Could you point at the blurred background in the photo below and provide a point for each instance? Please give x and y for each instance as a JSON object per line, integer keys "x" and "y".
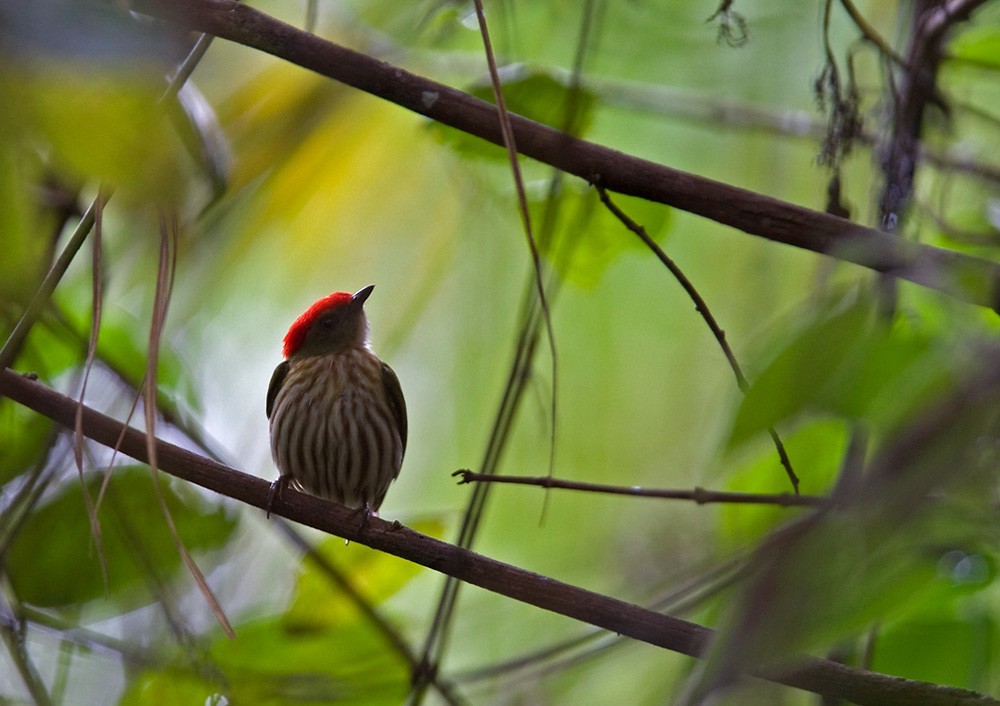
{"x": 287, "y": 186}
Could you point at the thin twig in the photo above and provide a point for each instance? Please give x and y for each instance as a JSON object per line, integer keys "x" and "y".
{"x": 522, "y": 201}
{"x": 698, "y": 495}
{"x": 164, "y": 287}
{"x": 871, "y": 34}
{"x": 97, "y": 298}
{"x": 12, "y": 632}
{"x": 701, "y": 306}
{"x": 436, "y": 640}
{"x": 12, "y": 346}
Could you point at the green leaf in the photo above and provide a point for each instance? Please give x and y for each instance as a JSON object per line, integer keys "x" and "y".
{"x": 48, "y": 351}
{"x": 877, "y": 554}
{"x": 536, "y": 95}
{"x": 268, "y": 663}
{"x": 53, "y": 562}
{"x": 978, "y": 44}
{"x": 318, "y": 605}
{"x": 815, "y": 448}
{"x": 123, "y": 347}
{"x": 945, "y": 651}
{"x": 586, "y": 237}
{"x": 850, "y": 366}
{"x": 24, "y": 438}
{"x": 87, "y": 90}
{"x": 171, "y": 686}
{"x": 23, "y": 247}
{"x": 803, "y": 374}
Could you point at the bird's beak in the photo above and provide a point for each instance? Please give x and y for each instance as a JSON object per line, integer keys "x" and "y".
{"x": 361, "y": 295}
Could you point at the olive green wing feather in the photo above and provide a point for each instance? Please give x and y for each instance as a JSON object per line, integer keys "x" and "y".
{"x": 277, "y": 378}
{"x": 394, "y": 395}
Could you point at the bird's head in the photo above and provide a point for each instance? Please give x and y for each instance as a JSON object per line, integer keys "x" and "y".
{"x": 335, "y": 322}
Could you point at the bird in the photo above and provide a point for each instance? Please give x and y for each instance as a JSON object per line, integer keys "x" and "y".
{"x": 337, "y": 417}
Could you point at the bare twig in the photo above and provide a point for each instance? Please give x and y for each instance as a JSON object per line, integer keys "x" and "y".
{"x": 510, "y": 144}
{"x": 164, "y": 287}
{"x": 702, "y": 307}
{"x": 697, "y": 495}
{"x": 870, "y": 34}
{"x": 918, "y": 90}
{"x": 435, "y": 642}
{"x": 12, "y": 632}
{"x": 15, "y": 340}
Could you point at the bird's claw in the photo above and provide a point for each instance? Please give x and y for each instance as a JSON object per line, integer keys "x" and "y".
{"x": 276, "y": 491}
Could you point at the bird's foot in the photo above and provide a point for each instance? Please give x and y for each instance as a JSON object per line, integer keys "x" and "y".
{"x": 365, "y": 513}
{"x": 277, "y": 491}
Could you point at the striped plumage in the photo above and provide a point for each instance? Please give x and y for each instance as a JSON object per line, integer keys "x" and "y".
{"x": 337, "y": 415}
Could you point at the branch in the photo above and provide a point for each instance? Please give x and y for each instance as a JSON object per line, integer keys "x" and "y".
{"x": 698, "y": 495}
{"x": 12, "y": 634}
{"x": 968, "y": 278}
{"x": 814, "y": 674}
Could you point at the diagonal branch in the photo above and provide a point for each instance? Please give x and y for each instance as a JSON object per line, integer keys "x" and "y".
{"x": 966, "y": 277}
{"x": 814, "y": 674}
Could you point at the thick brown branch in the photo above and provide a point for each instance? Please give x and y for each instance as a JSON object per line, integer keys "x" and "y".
{"x": 969, "y": 278}
{"x": 817, "y": 675}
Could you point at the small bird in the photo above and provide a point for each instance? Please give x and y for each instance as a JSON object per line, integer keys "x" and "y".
{"x": 337, "y": 415}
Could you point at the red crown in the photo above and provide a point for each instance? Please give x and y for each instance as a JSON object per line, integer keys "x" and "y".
{"x": 297, "y": 331}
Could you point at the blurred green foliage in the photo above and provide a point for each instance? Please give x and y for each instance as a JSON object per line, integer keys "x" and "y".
{"x": 134, "y": 540}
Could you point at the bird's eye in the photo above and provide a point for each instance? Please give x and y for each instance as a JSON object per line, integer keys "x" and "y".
{"x": 326, "y": 322}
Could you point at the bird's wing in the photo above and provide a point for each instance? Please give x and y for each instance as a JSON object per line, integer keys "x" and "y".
{"x": 277, "y": 378}
{"x": 394, "y": 394}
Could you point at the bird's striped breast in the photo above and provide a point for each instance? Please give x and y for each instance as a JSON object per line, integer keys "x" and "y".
{"x": 333, "y": 429}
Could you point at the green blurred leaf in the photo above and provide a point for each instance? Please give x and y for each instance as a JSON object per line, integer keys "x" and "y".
{"x": 534, "y": 94}
{"x": 123, "y": 347}
{"x": 52, "y": 561}
{"x": 816, "y": 449}
{"x": 978, "y": 44}
{"x": 953, "y": 651}
{"x": 23, "y": 237}
{"x": 876, "y": 554}
{"x": 82, "y": 82}
{"x": 585, "y": 238}
{"x": 804, "y": 373}
{"x": 48, "y": 351}
{"x": 318, "y": 605}
{"x": 24, "y": 436}
{"x": 171, "y": 686}
{"x": 850, "y": 366}
{"x": 267, "y": 663}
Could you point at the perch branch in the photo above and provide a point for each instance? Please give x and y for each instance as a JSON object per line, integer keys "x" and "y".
{"x": 812, "y": 673}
